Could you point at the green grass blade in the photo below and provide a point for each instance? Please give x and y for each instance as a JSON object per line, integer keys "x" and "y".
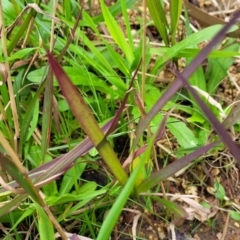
{"x": 175, "y": 13}
{"x": 127, "y": 23}
{"x": 159, "y": 17}
{"x": 87, "y": 121}
{"x": 45, "y": 227}
{"x": 101, "y": 65}
{"x": 116, "y": 209}
{"x": 172, "y": 168}
{"x": 5, "y": 100}
{"x": 117, "y": 58}
{"x": 29, "y": 211}
{"x": 193, "y": 52}
{"x": 217, "y": 68}
{"x": 114, "y": 10}
{"x": 67, "y": 9}
{"x": 47, "y": 114}
{"x": 23, "y": 181}
{"x": 116, "y": 33}
{"x": 177, "y": 210}
{"x": 28, "y": 117}
{"x": 11, "y": 205}
{"x": 22, "y": 29}
{"x": 195, "y": 38}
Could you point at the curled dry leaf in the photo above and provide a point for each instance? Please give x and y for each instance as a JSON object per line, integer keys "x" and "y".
{"x": 197, "y": 211}
{"x": 134, "y": 226}
{"x": 211, "y": 190}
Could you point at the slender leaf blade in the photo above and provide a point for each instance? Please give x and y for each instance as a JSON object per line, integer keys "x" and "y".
{"x": 87, "y": 121}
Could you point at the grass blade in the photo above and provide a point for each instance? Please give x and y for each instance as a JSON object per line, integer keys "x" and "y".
{"x": 175, "y": 13}
{"x": 47, "y": 114}
{"x": 159, "y": 17}
{"x": 197, "y": 38}
{"x": 172, "y": 168}
{"x": 11, "y": 205}
{"x": 87, "y": 121}
{"x": 24, "y": 182}
{"x": 116, "y": 33}
{"x": 45, "y": 227}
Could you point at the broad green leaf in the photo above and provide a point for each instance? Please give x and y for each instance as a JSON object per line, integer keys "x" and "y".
{"x": 63, "y": 105}
{"x": 204, "y": 134}
{"x": 34, "y": 156}
{"x": 198, "y": 79}
{"x": 50, "y": 188}
{"x": 216, "y": 71}
{"x": 88, "y": 187}
{"x": 9, "y": 10}
{"x": 219, "y": 191}
{"x": 206, "y": 205}
{"x": 79, "y": 76}
{"x": 235, "y": 215}
{"x": 37, "y": 76}
{"x": 183, "y": 134}
{"x": 196, "y": 117}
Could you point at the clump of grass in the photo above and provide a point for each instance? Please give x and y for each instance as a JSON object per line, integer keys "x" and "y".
{"x": 81, "y": 91}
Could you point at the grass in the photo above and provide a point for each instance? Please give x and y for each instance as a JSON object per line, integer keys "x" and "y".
{"x": 69, "y": 93}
